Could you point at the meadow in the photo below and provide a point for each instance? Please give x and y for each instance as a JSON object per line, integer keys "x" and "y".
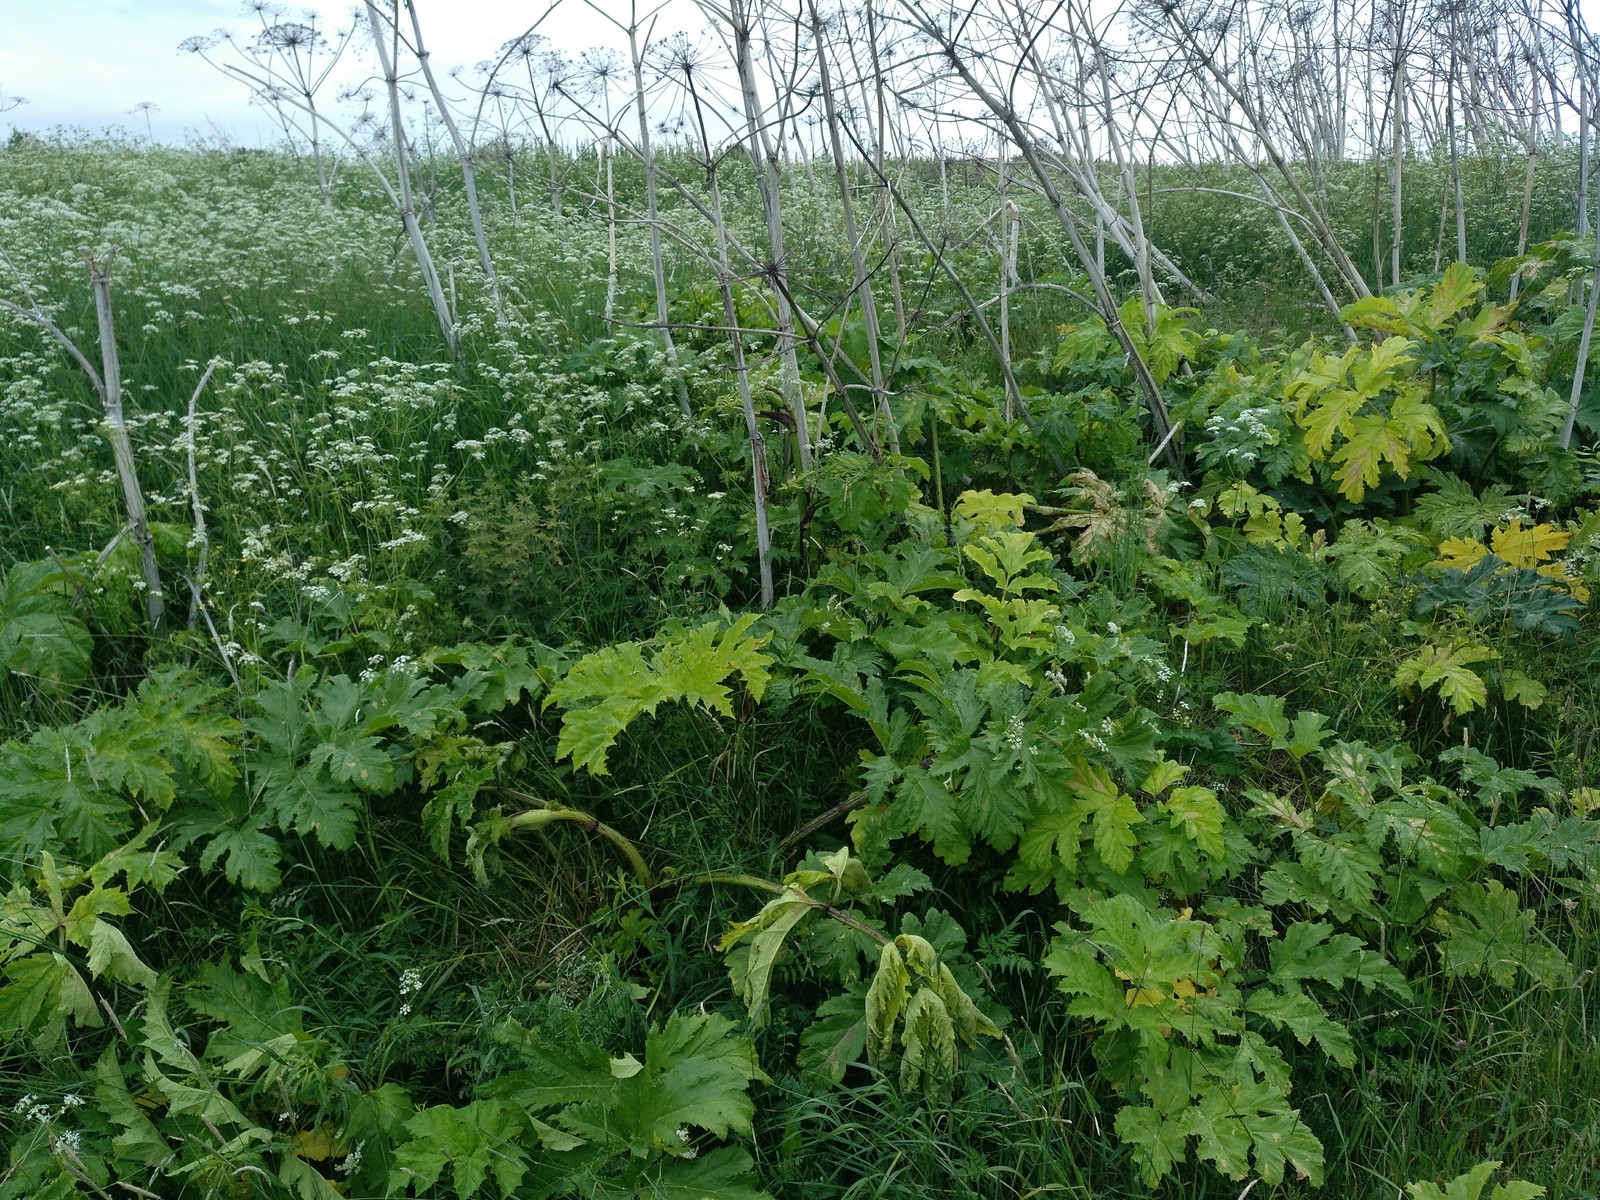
{"x": 1083, "y": 816}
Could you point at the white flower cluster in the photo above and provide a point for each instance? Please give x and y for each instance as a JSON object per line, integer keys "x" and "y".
{"x": 67, "y": 1142}
{"x": 352, "y": 1161}
{"x": 31, "y": 1108}
{"x": 1016, "y": 733}
{"x": 1247, "y": 431}
{"x": 410, "y": 986}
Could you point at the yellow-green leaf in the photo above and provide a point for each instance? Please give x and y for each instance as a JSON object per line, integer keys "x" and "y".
{"x": 1527, "y": 547}
{"x": 1332, "y": 414}
{"x": 1459, "y": 287}
{"x": 1196, "y": 811}
{"x": 1448, "y": 668}
{"x": 1373, "y": 441}
{"x": 1529, "y": 693}
{"x": 1162, "y": 776}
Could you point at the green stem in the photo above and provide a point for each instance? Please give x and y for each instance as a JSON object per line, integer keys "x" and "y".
{"x": 822, "y": 821}
{"x": 545, "y": 813}
{"x": 738, "y": 879}
{"x": 1305, "y": 780}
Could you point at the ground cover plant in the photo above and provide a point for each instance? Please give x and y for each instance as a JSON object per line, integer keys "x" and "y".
{"x": 676, "y": 663}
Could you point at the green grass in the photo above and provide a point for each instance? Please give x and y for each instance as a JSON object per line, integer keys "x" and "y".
{"x": 369, "y": 501}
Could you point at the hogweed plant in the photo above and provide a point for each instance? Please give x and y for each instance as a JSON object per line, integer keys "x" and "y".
{"x": 525, "y": 812}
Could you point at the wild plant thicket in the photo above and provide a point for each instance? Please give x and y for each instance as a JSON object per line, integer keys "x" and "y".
{"x": 424, "y": 799}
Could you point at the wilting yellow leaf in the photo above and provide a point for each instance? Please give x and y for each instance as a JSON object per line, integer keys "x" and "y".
{"x": 1524, "y": 547}
{"x": 1149, "y": 997}
{"x": 1143, "y": 997}
{"x": 1462, "y": 554}
{"x": 317, "y": 1144}
{"x": 1558, "y": 572}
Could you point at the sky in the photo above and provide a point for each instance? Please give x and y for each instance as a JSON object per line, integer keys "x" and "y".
{"x": 88, "y": 63}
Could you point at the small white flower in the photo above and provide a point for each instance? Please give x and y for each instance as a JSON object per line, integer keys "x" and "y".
{"x": 352, "y": 1161}
{"x": 1016, "y": 734}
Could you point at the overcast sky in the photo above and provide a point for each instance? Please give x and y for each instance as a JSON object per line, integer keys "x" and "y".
{"x": 87, "y": 63}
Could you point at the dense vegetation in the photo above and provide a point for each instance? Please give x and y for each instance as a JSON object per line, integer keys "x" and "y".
{"x": 1068, "y": 825}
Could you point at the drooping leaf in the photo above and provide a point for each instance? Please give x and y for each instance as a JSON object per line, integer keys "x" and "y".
{"x": 42, "y": 992}
{"x": 111, "y": 956}
{"x": 886, "y": 1000}
{"x": 928, "y": 1043}
{"x": 764, "y": 934}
